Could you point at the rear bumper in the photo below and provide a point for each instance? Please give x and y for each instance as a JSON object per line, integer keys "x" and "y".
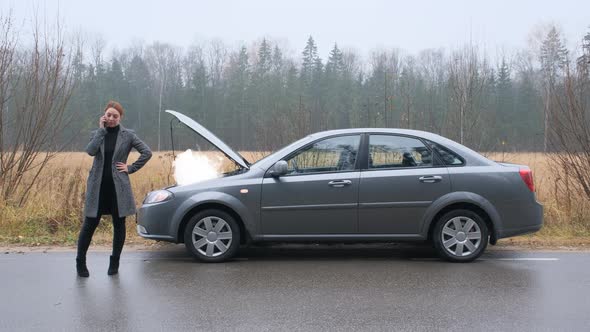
{"x": 519, "y": 231}
{"x": 521, "y": 220}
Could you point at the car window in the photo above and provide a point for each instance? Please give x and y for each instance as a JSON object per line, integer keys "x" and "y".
{"x": 388, "y": 151}
{"x": 329, "y": 155}
{"x": 447, "y": 156}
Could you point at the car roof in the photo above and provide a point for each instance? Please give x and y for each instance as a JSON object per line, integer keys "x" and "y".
{"x": 409, "y": 132}
{"x": 471, "y": 156}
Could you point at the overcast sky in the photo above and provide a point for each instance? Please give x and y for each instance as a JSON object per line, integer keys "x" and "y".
{"x": 362, "y": 25}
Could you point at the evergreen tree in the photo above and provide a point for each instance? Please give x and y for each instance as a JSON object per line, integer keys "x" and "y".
{"x": 553, "y": 57}
{"x": 239, "y": 77}
{"x": 505, "y": 104}
{"x": 335, "y": 62}
{"x": 333, "y": 89}
{"x": 277, "y": 60}
{"x": 264, "y": 59}
{"x": 310, "y": 59}
{"x": 583, "y": 61}
{"x": 140, "y": 99}
{"x": 262, "y": 99}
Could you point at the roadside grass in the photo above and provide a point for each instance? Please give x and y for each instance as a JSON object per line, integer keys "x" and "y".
{"x": 54, "y": 212}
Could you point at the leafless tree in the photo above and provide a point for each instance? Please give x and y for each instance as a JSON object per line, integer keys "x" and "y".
{"x": 467, "y": 76}
{"x": 553, "y": 58}
{"x": 432, "y": 68}
{"x": 217, "y": 56}
{"x": 8, "y": 44}
{"x": 407, "y": 88}
{"x": 35, "y": 86}
{"x": 164, "y": 59}
{"x": 97, "y": 49}
{"x": 571, "y": 131}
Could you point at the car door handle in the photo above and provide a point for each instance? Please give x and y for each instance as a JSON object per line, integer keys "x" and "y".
{"x": 430, "y": 179}
{"x": 339, "y": 183}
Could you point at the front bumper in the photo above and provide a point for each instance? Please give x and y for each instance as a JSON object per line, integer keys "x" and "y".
{"x": 154, "y": 222}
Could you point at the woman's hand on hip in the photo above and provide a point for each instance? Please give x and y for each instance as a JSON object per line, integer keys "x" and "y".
{"x": 121, "y": 167}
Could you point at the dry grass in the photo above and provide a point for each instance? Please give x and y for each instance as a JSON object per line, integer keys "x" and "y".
{"x": 54, "y": 212}
{"x": 566, "y": 214}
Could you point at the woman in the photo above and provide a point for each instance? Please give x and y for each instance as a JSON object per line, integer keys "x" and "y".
{"x": 108, "y": 189}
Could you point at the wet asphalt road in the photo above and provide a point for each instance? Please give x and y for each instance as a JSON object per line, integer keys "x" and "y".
{"x": 312, "y": 288}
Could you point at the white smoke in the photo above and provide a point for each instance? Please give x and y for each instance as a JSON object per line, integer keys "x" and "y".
{"x": 191, "y": 167}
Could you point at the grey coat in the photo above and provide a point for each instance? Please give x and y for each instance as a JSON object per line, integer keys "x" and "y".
{"x": 126, "y": 139}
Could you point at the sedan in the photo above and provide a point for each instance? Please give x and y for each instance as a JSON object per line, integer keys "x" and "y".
{"x": 348, "y": 185}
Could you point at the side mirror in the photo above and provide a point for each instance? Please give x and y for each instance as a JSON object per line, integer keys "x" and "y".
{"x": 278, "y": 169}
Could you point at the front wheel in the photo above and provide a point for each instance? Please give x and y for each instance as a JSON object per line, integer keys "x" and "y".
{"x": 212, "y": 236}
{"x": 460, "y": 236}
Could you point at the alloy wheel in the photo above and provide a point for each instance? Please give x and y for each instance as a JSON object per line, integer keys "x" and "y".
{"x": 212, "y": 236}
{"x": 461, "y": 236}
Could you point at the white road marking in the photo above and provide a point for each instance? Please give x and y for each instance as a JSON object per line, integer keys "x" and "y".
{"x": 521, "y": 259}
{"x": 542, "y": 259}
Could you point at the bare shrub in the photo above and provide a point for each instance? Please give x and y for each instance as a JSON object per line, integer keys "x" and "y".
{"x": 571, "y": 136}
{"x": 35, "y": 87}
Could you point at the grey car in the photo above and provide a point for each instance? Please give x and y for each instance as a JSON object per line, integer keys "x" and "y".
{"x": 349, "y": 185}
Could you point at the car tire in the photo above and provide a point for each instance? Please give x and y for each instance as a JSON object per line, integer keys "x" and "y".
{"x": 212, "y": 236}
{"x": 460, "y": 236}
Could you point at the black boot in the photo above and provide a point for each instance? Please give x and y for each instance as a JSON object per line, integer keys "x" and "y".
{"x": 81, "y": 268}
{"x": 113, "y": 265}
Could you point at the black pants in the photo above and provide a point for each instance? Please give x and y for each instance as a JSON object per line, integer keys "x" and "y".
{"x": 88, "y": 229}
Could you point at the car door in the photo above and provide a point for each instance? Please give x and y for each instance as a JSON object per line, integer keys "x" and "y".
{"x": 398, "y": 185}
{"x": 319, "y": 194}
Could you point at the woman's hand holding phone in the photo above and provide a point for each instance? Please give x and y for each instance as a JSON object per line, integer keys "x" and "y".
{"x": 102, "y": 122}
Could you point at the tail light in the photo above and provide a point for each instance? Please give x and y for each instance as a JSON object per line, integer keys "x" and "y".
{"x": 527, "y": 176}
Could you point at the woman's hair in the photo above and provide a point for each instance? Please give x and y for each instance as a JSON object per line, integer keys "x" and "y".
{"x": 115, "y": 105}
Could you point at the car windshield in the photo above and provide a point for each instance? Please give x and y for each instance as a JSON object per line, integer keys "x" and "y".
{"x": 285, "y": 148}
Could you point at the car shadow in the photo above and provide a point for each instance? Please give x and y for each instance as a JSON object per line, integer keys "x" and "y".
{"x": 315, "y": 251}
{"x": 338, "y": 251}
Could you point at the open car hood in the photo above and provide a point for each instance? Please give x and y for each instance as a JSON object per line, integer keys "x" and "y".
{"x": 206, "y": 134}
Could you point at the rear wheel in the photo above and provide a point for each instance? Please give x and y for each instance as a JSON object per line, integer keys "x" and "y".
{"x": 212, "y": 236}
{"x": 460, "y": 236}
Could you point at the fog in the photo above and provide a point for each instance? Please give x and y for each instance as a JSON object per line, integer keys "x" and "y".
{"x": 363, "y": 26}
